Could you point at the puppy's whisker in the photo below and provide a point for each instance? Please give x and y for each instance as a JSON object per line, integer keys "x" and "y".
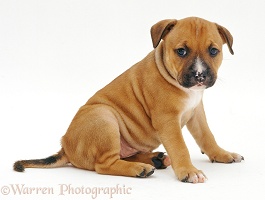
{"x": 220, "y": 80}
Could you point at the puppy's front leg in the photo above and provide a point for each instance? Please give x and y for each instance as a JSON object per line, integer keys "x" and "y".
{"x": 172, "y": 139}
{"x": 199, "y": 129}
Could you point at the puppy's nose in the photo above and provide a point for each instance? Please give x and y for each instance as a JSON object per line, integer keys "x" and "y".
{"x": 200, "y": 77}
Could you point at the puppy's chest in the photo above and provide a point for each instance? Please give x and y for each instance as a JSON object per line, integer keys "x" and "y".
{"x": 193, "y": 100}
{"x": 190, "y": 104}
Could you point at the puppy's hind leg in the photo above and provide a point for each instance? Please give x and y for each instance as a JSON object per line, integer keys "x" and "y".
{"x": 108, "y": 160}
{"x": 124, "y": 168}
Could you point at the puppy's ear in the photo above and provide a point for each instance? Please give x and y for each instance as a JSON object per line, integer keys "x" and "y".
{"x": 161, "y": 29}
{"x": 226, "y": 36}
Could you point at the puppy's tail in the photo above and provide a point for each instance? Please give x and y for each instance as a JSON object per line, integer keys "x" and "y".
{"x": 56, "y": 160}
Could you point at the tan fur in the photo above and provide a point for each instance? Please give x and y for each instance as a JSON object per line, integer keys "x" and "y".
{"x": 147, "y": 105}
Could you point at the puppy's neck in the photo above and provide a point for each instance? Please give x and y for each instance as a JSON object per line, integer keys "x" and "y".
{"x": 162, "y": 68}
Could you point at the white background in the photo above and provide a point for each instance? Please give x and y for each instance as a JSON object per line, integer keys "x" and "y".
{"x": 55, "y": 54}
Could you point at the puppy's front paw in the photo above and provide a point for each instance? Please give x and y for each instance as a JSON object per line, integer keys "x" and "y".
{"x": 191, "y": 175}
{"x": 226, "y": 157}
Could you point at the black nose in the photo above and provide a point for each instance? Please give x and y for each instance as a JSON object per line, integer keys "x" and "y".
{"x": 200, "y": 77}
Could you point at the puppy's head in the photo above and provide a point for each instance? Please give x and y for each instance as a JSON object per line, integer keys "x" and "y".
{"x": 192, "y": 50}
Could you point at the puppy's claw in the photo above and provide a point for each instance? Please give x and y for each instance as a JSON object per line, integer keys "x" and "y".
{"x": 185, "y": 180}
{"x": 142, "y": 174}
{"x": 150, "y": 173}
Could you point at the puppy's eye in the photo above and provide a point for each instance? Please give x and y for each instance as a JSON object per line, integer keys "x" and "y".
{"x": 181, "y": 52}
{"x": 213, "y": 51}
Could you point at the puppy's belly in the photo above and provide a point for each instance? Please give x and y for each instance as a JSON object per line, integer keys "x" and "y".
{"x": 137, "y": 145}
{"x": 126, "y": 149}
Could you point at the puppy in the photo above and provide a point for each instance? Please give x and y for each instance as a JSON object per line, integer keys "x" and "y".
{"x": 117, "y": 129}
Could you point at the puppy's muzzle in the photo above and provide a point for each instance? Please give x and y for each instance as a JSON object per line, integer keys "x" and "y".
{"x": 198, "y": 74}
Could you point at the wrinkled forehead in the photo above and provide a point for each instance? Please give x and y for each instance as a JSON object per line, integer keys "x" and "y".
{"x": 194, "y": 31}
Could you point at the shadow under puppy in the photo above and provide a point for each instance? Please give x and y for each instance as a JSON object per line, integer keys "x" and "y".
{"x": 117, "y": 129}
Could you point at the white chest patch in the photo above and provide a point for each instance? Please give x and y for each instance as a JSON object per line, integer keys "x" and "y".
{"x": 194, "y": 99}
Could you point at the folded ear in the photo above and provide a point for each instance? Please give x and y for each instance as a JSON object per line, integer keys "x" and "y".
{"x": 161, "y": 29}
{"x": 226, "y": 36}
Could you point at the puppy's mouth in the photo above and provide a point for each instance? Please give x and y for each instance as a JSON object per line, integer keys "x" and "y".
{"x": 198, "y": 86}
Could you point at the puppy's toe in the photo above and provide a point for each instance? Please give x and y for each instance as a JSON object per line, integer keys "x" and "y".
{"x": 237, "y": 157}
{"x": 201, "y": 177}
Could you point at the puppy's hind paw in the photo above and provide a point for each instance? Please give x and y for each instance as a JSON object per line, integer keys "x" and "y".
{"x": 161, "y": 161}
{"x": 146, "y": 173}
